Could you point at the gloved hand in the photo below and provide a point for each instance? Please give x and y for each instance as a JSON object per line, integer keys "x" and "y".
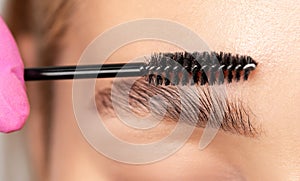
{"x": 14, "y": 107}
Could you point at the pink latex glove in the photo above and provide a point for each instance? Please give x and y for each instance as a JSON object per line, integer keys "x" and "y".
{"x": 14, "y": 107}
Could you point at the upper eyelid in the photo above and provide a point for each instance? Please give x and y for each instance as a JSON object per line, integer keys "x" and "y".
{"x": 236, "y": 114}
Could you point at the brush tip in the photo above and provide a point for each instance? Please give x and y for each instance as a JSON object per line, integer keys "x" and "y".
{"x": 198, "y": 68}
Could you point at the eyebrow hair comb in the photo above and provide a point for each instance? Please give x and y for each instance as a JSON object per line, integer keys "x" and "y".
{"x": 160, "y": 69}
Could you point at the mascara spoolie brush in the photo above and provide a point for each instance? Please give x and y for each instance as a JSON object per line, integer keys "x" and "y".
{"x": 84, "y": 72}
{"x": 161, "y": 69}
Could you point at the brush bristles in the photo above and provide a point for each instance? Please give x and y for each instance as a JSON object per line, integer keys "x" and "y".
{"x": 198, "y": 68}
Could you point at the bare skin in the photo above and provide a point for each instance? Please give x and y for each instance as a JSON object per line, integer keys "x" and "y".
{"x": 267, "y": 31}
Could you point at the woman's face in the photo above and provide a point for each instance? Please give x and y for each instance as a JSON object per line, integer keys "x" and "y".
{"x": 269, "y": 31}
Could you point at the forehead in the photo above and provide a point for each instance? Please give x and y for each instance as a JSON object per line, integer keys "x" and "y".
{"x": 266, "y": 29}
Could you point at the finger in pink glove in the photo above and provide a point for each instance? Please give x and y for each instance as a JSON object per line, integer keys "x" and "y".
{"x": 14, "y": 107}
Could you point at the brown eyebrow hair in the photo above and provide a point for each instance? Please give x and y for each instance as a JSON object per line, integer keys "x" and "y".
{"x": 235, "y": 116}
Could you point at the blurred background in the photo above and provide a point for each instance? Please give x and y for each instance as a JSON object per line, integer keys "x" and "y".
{"x": 1, "y": 5}
{"x": 14, "y": 161}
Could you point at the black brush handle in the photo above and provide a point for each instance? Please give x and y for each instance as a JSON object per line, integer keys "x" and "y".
{"x": 85, "y": 71}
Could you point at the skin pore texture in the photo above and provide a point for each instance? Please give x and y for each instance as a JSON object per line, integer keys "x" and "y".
{"x": 268, "y": 31}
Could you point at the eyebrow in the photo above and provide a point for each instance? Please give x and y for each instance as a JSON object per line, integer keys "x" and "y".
{"x": 229, "y": 114}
